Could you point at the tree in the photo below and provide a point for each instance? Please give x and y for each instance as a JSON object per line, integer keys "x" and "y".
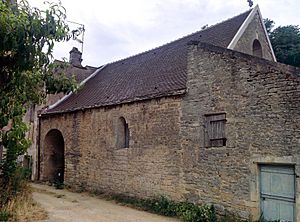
{"x": 285, "y": 41}
{"x": 286, "y": 44}
{"x": 27, "y": 37}
{"x": 269, "y": 25}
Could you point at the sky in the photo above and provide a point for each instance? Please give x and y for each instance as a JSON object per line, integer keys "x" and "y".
{"x": 116, "y": 29}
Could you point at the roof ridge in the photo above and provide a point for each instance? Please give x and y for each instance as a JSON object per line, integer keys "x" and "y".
{"x": 185, "y": 36}
{"x": 157, "y": 72}
{"x": 212, "y": 26}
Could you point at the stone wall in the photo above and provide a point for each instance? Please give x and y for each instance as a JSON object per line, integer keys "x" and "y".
{"x": 167, "y": 154}
{"x": 254, "y": 31}
{"x": 149, "y": 167}
{"x": 31, "y": 118}
{"x": 261, "y": 100}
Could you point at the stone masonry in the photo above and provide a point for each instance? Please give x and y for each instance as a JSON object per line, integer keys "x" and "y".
{"x": 254, "y": 31}
{"x": 93, "y": 161}
{"x": 167, "y": 153}
{"x": 261, "y": 100}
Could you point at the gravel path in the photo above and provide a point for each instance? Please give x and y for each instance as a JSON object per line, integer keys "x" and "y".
{"x": 65, "y": 206}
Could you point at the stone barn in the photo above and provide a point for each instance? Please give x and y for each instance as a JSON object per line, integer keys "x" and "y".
{"x": 208, "y": 118}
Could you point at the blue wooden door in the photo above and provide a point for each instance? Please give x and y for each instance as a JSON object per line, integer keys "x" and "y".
{"x": 277, "y": 192}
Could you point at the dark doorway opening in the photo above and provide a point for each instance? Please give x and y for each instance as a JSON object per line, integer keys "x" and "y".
{"x": 54, "y": 161}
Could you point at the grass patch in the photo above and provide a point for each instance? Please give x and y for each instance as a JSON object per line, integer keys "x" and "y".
{"x": 22, "y": 208}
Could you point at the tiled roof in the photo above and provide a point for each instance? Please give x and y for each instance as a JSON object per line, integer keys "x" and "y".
{"x": 155, "y": 73}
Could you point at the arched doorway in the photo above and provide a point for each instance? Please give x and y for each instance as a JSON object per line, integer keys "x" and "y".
{"x": 54, "y": 160}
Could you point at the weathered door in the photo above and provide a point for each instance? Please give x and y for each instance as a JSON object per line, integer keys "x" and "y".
{"x": 277, "y": 192}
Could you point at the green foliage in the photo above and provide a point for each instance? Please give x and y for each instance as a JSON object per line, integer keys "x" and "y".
{"x": 59, "y": 185}
{"x": 56, "y": 81}
{"x": 160, "y": 206}
{"x": 230, "y": 217}
{"x": 17, "y": 180}
{"x": 27, "y": 37}
{"x": 286, "y": 44}
{"x": 28, "y": 34}
{"x": 269, "y": 24}
{"x": 188, "y": 212}
{"x": 285, "y": 41}
{"x": 59, "y": 179}
{"x": 4, "y": 216}
{"x": 194, "y": 213}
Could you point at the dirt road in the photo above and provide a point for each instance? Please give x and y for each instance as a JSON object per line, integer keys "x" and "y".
{"x": 65, "y": 206}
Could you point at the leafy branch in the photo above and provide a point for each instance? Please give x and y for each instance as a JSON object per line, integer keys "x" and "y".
{"x": 27, "y": 38}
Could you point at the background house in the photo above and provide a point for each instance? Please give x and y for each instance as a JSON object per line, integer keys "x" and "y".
{"x": 208, "y": 118}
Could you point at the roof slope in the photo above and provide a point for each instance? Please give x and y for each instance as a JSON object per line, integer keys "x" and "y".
{"x": 158, "y": 72}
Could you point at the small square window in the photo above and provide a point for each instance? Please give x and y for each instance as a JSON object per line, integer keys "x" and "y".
{"x": 215, "y": 130}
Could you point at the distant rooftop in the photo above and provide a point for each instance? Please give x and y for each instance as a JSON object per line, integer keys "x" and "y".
{"x": 80, "y": 73}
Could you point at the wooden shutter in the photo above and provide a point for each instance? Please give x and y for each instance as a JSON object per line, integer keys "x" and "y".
{"x": 215, "y": 127}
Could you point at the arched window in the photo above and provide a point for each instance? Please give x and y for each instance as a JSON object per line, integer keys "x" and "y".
{"x": 257, "y": 49}
{"x": 122, "y": 133}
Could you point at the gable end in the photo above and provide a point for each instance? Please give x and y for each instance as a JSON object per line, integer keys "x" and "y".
{"x": 259, "y": 34}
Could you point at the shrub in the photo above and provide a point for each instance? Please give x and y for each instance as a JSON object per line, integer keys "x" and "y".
{"x": 17, "y": 182}
{"x": 59, "y": 185}
{"x": 188, "y": 212}
{"x": 4, "y": 216}
{"x": 162, "y": 206}
{"x": 195, "y": 213}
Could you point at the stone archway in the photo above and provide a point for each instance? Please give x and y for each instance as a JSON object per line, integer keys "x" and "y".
{"x": 54, "y": 160}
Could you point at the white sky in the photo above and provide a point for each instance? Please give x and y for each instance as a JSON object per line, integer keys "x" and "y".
{"x": 117, "y": 29}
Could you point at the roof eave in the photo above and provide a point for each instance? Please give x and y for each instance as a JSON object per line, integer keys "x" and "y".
{"x": 137, "y": 99}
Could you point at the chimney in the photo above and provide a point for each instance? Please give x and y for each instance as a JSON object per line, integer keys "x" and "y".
{"x": 75, "y": 57}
